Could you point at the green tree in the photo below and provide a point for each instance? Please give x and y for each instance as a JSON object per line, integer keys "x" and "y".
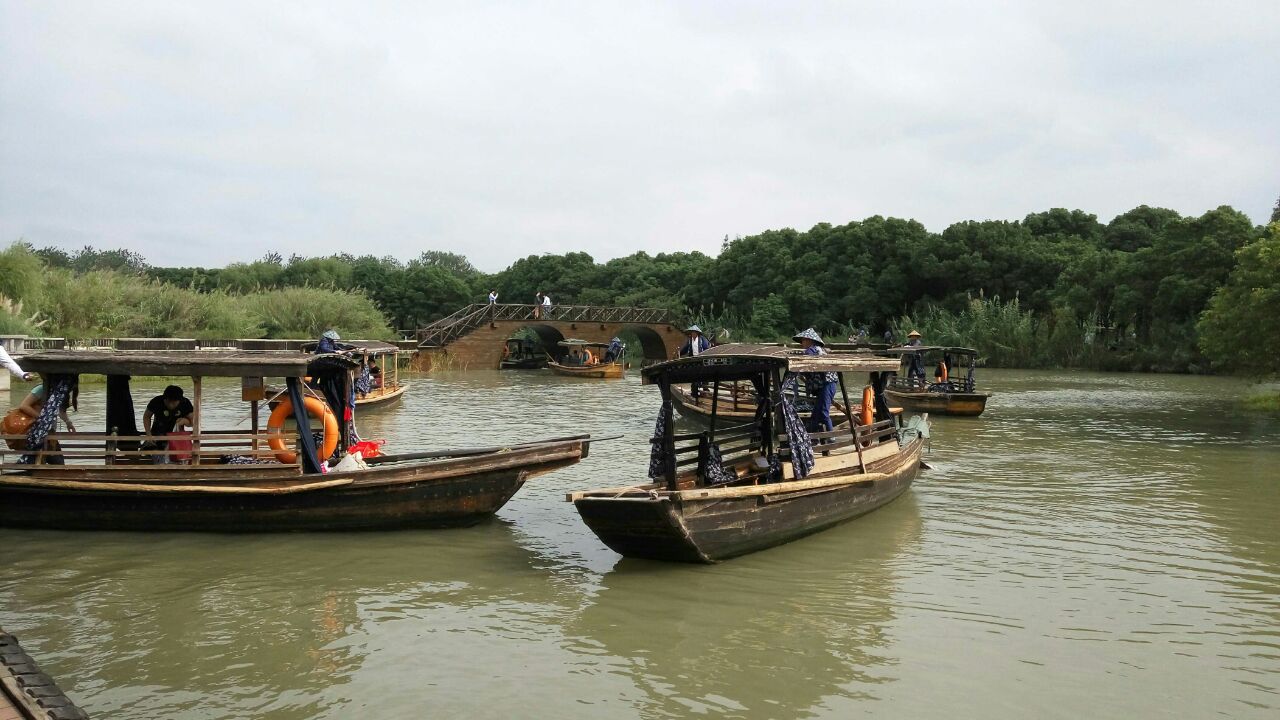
{"x": 1240, "y": 330}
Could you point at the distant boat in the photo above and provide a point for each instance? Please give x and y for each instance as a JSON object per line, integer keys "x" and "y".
{"x": 732, "y": 490}
{"x": 522, "y": 354}
{"x": 593, "y": 366}
{"x": 387, "y": 387}
{"x": 952, "y": 392}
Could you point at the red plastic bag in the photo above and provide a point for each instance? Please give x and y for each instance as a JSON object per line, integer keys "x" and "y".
{"x": 367, "y": 448}
{"x": 176, "y": 444}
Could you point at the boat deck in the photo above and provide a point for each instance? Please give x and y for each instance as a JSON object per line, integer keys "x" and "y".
{"x": 25, "y": 692}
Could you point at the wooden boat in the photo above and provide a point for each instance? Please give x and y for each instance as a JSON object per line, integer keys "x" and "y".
{"x": 952, "y": 392}
{"x": 738, "y": 404}
{"x": 387, "y": 387}
{"x": 109, "y": 483}
{"x": 25, "y": 692}
{"x": 594, "y": 368}
{"x": 522, "y": 354}
{"x": 699, "y": 510}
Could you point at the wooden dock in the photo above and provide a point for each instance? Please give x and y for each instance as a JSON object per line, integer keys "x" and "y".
{"x": 25, "y": 692}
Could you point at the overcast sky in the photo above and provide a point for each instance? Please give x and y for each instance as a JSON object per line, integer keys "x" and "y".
{"x": 208, "y": 133}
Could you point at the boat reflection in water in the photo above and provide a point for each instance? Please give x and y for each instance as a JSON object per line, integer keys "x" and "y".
{"x": 777, "y": 634}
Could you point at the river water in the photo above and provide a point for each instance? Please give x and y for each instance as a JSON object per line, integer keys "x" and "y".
{"x": 1095, "y": 545}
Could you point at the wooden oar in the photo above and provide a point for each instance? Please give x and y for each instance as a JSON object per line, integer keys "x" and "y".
{"x": 467, "y": 452}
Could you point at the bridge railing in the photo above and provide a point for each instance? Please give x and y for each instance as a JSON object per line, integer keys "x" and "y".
{"x": 446, "y": 330}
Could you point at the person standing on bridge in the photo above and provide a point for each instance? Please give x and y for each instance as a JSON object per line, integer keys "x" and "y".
{"x": 493, "y": 297}
{"x": 546, "y": 307}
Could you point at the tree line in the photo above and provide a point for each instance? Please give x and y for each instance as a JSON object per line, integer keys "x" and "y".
{"x": 1149, "y": 290}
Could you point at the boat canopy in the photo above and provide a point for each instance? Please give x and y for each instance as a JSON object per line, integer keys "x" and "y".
{"x": 741, "y": 361}
{"x": 572, "y": 342}
{"x": 189, "y": 363}
{"x": 902, "y": 349}
{"x": 370, "y": 347}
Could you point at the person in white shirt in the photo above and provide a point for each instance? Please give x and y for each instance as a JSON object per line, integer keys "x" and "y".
{"x": 12, "y": 365}
{"x": 493, "y": 297}
{"x": 546, "y": 307}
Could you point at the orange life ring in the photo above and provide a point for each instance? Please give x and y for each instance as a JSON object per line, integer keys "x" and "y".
{"x": 868, "y": 415}
{"x": 16, "y": 423}
{"x": 943, "y": 366}
{"x": 317, "y": 410}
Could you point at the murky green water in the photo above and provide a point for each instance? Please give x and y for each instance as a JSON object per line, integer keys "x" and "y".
{"x": 1095, "y": 546}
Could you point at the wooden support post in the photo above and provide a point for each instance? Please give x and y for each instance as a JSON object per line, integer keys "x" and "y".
{"x": 853, "y": 429}
{"x": 253, "y": 420}
{"x": 715, "y": 400}
{"x": 195, "y": 420}
{"x": 111, "y": 446}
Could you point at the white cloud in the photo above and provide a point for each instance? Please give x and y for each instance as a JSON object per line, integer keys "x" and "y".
{"x": 213, "y": 133}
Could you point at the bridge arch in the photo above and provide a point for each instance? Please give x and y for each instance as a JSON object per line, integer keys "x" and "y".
{"x": 474, "y": 336}
{"x": 651, "y": 341}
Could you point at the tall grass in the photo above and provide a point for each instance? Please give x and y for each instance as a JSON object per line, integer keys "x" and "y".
{"x": 105, "y": 303}
{"x": 1006, "y": 335}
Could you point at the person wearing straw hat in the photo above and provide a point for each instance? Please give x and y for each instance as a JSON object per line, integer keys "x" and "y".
{"x": 916, "y": 369}
{"x": 696, "y": 345}
{"x": 822, "y": 386}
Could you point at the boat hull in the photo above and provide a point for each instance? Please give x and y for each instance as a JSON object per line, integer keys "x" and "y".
{"x": 527, "y": 364}
{"x": 437, "y": 494}
{"x": 680, "y": 528}
{"x": 381, "y": 397}
{"x": 610, "y": 371}
{"x": 961, "y": 404}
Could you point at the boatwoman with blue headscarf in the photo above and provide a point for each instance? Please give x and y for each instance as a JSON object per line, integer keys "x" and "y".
{"x": 822, "y": 386}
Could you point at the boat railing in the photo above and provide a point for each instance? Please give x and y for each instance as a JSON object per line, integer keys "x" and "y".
{"x": 113, "y": 449}
{"x": 863, "y": 436}
{"x": 450, "y": 328}
{"x": 923, "y": 385}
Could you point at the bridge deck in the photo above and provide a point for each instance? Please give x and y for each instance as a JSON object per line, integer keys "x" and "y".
{"x": 446, "y": 330}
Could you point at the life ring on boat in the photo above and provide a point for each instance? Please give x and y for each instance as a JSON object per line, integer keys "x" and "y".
{"x": 317, "y": 410}
{"x": 868, "y": 414}
{"x": 506, "y": 352}
{"x": 16, "y": 423}
{"x": 942, "y": 368}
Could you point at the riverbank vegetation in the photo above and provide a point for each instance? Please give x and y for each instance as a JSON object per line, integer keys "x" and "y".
{"x": 122, "y": 302}
{"x": 1149, "y": 290}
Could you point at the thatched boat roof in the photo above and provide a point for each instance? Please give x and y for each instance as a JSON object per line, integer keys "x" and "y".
{"x": 739, "y": 360}
{"x": 206, "y": 363}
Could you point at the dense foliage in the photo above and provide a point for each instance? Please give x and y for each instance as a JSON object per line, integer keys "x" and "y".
{"x": 1241, "y": 328}
{"x": 1056, "y": 288}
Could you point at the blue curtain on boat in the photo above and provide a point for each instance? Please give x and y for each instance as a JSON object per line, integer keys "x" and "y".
{"x": 329, "y": 375}
{"x": 306, "y": 442}
{"x": 659, "y": 453}
{"x": 712, "y": 470}
{"x": 797, "y": 437}
{"x": 364, "y": 383}
{"x": 57, "y": 391}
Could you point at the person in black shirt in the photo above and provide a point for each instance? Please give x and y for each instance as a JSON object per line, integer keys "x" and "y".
{"x": 164, "y": 414}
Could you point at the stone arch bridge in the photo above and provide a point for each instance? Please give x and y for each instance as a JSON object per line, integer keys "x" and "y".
{"x": 474, "y": 336}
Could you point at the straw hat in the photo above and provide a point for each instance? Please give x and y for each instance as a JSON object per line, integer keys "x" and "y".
{"x": 693, "y": 329}
{"x": 809, "y": 334}
{"x": 331, "y": 334}
{"x": 914, "y": 333}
